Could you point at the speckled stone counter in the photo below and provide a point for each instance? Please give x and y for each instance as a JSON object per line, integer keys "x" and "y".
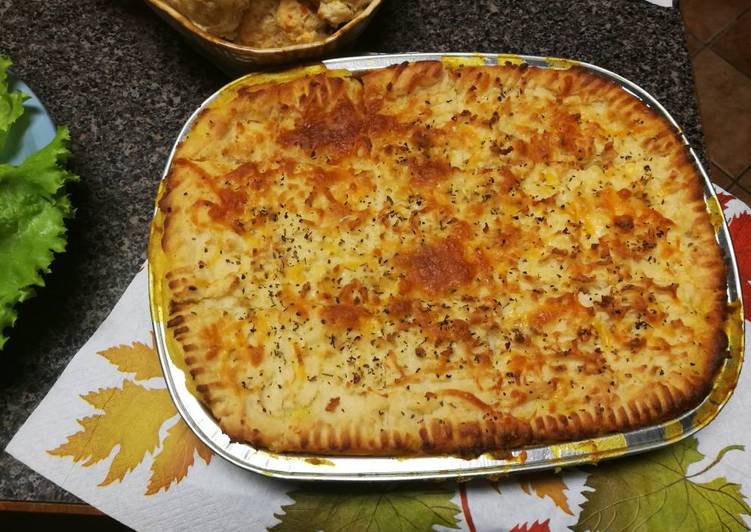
{"x": 124, "y": 82}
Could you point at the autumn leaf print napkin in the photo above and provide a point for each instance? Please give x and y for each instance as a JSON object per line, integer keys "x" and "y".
{"x": 108, "y": 433}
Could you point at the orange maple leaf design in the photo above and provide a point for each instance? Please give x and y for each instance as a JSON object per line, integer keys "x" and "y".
{"x": 740, "y": 231}
{"x": 131, "y": 418}
{"x": 177, "y": 455}
{"x": 724, "y": 199}
{"x": 136, "y": 358}
{"x": 543, "y": 526}
{"x": 547, "y": 485}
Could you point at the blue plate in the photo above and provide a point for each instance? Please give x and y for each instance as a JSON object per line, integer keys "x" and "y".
{"x": 32, "y": 131}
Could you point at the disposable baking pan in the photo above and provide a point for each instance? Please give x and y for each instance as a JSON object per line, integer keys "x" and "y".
{"x": 351, "y": 468}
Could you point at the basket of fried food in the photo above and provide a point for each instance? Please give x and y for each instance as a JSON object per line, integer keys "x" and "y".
{"x": 245, "y": 35}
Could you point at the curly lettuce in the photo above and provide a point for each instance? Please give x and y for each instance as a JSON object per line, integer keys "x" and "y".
{"x": 33, "y": 209}
{"x": 11, "y": 103}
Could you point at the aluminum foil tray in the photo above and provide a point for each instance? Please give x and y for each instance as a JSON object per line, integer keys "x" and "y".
{"x": 349, "y": 468}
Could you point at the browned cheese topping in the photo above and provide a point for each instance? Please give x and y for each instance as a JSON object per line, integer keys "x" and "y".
{"x": 434, "y": 259}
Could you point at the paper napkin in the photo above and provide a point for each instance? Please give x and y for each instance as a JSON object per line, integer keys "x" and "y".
{"x": 108, "y": 433}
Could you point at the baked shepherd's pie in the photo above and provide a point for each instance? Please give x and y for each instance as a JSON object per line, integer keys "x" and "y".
{"x": 433, "y": 259}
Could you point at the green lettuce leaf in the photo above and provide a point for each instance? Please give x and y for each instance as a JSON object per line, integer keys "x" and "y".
{"x": 33, "y": 209}
{"x": 11, "y": 103}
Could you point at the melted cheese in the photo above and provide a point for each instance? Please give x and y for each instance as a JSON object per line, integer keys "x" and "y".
{"x": 434, "y": 258}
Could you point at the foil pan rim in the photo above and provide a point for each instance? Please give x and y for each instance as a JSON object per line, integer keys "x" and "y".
{"x": 527, "y": 459}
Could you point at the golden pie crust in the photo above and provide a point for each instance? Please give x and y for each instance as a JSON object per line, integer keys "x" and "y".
{"x": 431, "y": 259}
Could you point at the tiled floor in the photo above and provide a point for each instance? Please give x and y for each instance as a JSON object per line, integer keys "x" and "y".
{"x": 718, "y": 36}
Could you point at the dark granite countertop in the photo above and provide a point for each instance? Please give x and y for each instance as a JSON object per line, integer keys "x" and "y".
{"x": 124, "y": 83}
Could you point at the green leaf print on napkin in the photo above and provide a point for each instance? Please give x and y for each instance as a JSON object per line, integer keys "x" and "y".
{"x": 652, "y": 492}
{"x": 368, "y": 508}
